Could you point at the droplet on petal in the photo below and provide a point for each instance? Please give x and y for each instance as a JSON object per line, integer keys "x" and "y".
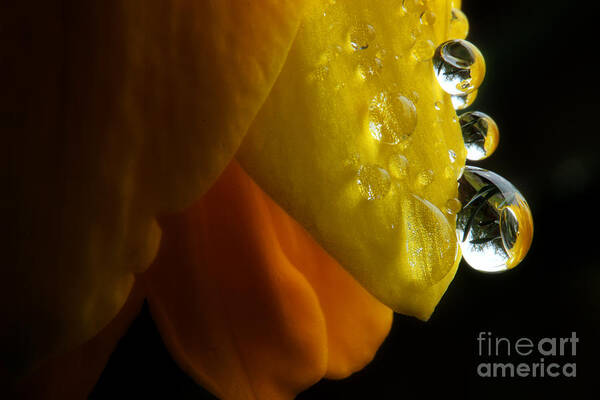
{"x": 459, "y": 67}
{"x": 480, "y": 134}
{"x": 374, "y": 182}
{"x": 459, "y": 24}
{"x": 423, "y": 50}
{"x": 495, "y": 226}
{"x": 391, "y": 118}
{"x": 361, "y": 36}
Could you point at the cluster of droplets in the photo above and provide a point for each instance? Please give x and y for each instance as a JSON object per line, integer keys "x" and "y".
{"x": 493, "y": 221}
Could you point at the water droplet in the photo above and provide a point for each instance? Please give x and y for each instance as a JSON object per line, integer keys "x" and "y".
{"x": 458, "y": 66}
{"x": 361, "y": 36}
{"x": 452, "y": 155}
{"x": 423, "y": 50}
{"x": 373, "y": 181}
{"x": 430, "y": 242}
{"x": 464, "y": 101}
{"x": 438, "y": 105}
{"x": 495, "y": 226}
{"x": 427, "y": 18}
{"x": 480, "y": 134}
{"x": 392, "y": 118}
{"x": 425, "y": 177}
{"x": 459, "y": 24}
{"x": 320, "y": 73}
{"x": 453, "y": 206}
{"x": 370, "y": 68}
{"x": 398, "y": 165}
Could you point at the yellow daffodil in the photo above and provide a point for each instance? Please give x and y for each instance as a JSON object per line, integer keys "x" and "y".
{"x": 272, "y": 176}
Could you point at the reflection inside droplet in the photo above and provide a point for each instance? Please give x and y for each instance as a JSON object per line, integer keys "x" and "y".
{"x": 459, "y": 67}
{"x": 480, "y": 134}
{"x": 495, "y": 226}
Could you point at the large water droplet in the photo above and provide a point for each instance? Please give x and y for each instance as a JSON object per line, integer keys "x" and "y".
{"x": 392, "y": 118}
{"x": 430, "y": 241}
{"x": 374, "y": 182}
{"x": 480, "y": 134}
{"x": 458, "y": 66}
{"x": 459, "y": 24}
{"x": 495, "y": 226}
{"x": 361, "y": 36}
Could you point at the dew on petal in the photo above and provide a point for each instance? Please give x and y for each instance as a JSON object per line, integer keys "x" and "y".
{"x": 459, "y": 67}
{"x": 391, "y": 118}
{"x": 480, "y": 134}
{"x": 459, "y": 24}
{"x": 373, "y": 181}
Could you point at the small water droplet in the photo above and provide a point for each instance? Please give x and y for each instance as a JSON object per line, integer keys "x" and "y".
{"x": 458, "y": 66}
{"x": 425, "y": 177}
{"x": 438, "y": 105}
{"x": 459, "y": 24}
{"x": 369, "y": 68}
{"x": 374, "y": 182}
{"x": 423, "y": 50}
{"x": 452, "y": 155}
{"x": 464, "y": 101}
{"x": 495, "y": 226}
{"x": 427, "y": 17}
{"x": 453, "y": 206}
{"x": 480, "y": 134}
{"x": 392, "y": 118}
{"x": 320, "y": 73}
{"x": 361, "y": 36}
{"x": 398, "y": 166}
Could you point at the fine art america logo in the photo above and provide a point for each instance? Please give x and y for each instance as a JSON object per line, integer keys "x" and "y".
{"x": 551, "y": 357}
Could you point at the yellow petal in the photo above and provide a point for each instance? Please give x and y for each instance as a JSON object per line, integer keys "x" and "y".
{"x": 249, "y": 305}
{"x": 359, "y": 144}
{"x": 116, "y": 112}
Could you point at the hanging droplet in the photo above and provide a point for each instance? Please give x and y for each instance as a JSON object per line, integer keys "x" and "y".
{"x": 398, "y": 166}
{"x": 373, "y": 181}
{"x": 361, "y": 36}
{"x": 495, "y": 226}
{"x": 423, "y": 50}
{"x": 392, "y": 118}
{"x": 464, "y": 101}
{"x": 459, "y": 24}
{"x": 459, "y": 67}
{"x": 430, "y": 241}
{"x": 480, "y": 134}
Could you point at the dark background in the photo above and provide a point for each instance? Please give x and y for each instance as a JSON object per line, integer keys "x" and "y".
{"x": 541, "y": 88}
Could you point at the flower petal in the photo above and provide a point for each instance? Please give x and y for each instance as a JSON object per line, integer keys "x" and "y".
{"x": 116, "y": 112}
{"x": 358, "y": 143}
{"x": 239, "y": 293}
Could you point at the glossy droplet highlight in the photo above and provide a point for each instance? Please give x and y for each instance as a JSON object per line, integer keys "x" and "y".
{"x": 430, "y": 242}
{"x": 373, "y": 181}
{"x": 495, "y": 226}
{"x": 423, "y": 50}
{"x": 463, "y": 101}
{"x": 453, "y": 206}
{"x": 459, "y": 67}
{"x": 459, "y": 24}
{"x": 391, "y": 118}
{"x": 361, "y": 36}
{"x": 480, "y": 134}
{"x": 427, "y": 18}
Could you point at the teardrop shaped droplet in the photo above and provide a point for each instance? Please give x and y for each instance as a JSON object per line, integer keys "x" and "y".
{"x": 480, "y": 134}
{"x": 464, "y": 101}
{"x": 391, "y": 118}
{"x": 495, "y": 226}
{"x": 374, "y": 182}
{"x": 459, "y": 24}
{"x": 430, "y": 242}
{"x": 458, "y": 66}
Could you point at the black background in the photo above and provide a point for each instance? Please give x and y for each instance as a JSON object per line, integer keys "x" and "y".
{"x": 541, "y": 88}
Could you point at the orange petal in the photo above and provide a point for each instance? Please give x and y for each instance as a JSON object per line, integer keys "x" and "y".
{"x": 249, "y": 305}
{"x": 74, "y": 374}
